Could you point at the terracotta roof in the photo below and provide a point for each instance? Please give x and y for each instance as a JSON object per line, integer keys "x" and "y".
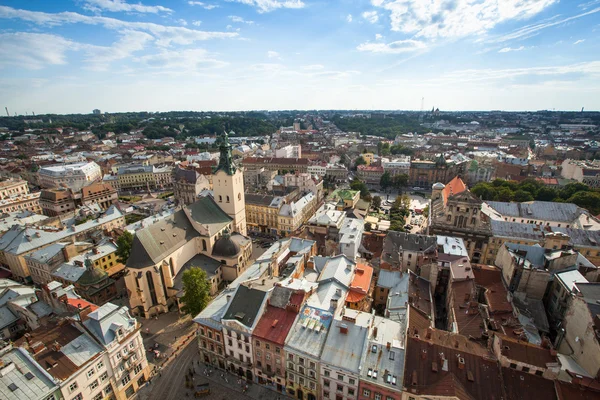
{"x": 455, "y": 186}
{"x": 570, "y": 391}
{"x": 521, "y": 385}
{"x": 361, "y": 282}
{"x": 96, "y": 188}
{"x": 466, "y": 308}
{"x": 49, "y": 342}
{"x": 417, "y": 321}
{"x": 81, "y": 304}
{"x": 526, "y": 352}
{"x": 275, "y": 324}
{"x": 429, "y": 364}
{"x": 490, "y": 278}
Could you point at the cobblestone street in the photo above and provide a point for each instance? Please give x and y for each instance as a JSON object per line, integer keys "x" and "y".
{"x": 170, "y": 383}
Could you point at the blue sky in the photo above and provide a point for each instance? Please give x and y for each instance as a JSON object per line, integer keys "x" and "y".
{"x": 126, "y": 55}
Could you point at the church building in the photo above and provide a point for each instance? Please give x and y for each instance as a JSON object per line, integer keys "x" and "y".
{"x": 209, "y": 233}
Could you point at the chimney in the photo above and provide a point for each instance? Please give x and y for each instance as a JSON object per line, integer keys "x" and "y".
{"x": 28, "y": 339}
{"x": 461, "y": 363}
{"x": 388, "y": 345}
{"x": 56, "y": 346}
{"x": 344, "y": 329}
{"x": 428, "y": 334}
{"x": 375, "y": 332}
{"x": 84, "y": 313}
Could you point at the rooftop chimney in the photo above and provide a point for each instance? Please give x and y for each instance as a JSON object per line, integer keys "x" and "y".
{"x": 343, "y": 329}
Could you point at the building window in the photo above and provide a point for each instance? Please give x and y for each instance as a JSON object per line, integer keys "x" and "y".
{"x": 220, "y": 199}
{"x": 126, "y": 379}
{"x": 525, "y": 369}
{"x": 104, "y": 377}
{"x": 326, "y": 372}
{"x": 78, "y": 397}
{"x": 129, "y": 391}
{"x": 513, "y": 365}
{"x": 72, "y": 387}
{"x": 137, "y": 369}
{"x": 107, "y": 390}
{"x": 99, "y": 365}
{"x": 377, "y": 396}
{"x": 91, "y": 372}
{"x": 97, "y": 397}
{"x": 94, "y": 385}
{"x": 340, "y": 377}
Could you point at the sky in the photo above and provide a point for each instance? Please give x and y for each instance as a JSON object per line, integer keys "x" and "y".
{"x": 72, "y": 56}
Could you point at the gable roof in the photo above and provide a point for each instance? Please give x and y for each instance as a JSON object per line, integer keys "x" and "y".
{"x": 455, "y": 186}
{"x": 245, "y": 305}
{"x": 206, "y": 211}
{"x": 155, "y": 242}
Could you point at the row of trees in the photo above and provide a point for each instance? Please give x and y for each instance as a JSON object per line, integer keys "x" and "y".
{"x": 388, "y": 127}
{"x": 531, "y": 189}
{"x": 397, "y": 181}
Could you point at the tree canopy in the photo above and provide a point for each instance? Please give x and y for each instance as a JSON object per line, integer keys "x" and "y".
{"x": 196, "y": 289}
{"x": 531, "y": 189}
{"x": 124, "y": 246}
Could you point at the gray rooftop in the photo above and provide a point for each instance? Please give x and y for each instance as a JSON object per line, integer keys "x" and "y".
{"x": 309, "y": 332}
{"x": 209, "y": 265}
{"x": 538, "y": 210}
{"x": 345, "y": 350}
{"x": 22, "y": 378}
{"x": 396, "y": 242}
{"x": 106, "y": 321}
{"x": 245, "y": 306}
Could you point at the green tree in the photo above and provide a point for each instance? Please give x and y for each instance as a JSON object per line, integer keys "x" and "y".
{"x": 399, "y": 181}
{"x": 359, "y": 161}
{"x": 521, "y": 196}
{"x": 196, "y": 289}
{"x": 386, "y": 180}
{"x": 124, "y": 246}
{"x": 484, "y": 191}
{"x": 546, "y": 193}
{"x": 504, "y": 194}
{"x": 368, "y": 227}
{"x": 377, "y": 201}
{"x": 571, "y": 188}
{"x": 587, "y": 200}
{"x": 359, "y": 185}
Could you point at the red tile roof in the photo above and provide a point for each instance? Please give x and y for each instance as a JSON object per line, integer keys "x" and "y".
{"x": 275, "y": 324}
{"x": 361, "y": 282}
{"x": 466, "y": 309}
{"x": 521, "y": 385}
{"x": 570, "y": 391}
{"x": 81, "y": 304}
{"x": 490, "y": 278}
{"x": 429, "y": 364}
{"x": 455, "y": 186}
{"x": 526, "y": 352}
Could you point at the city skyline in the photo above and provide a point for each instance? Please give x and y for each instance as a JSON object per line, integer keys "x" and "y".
{"x": 115, "y": 55}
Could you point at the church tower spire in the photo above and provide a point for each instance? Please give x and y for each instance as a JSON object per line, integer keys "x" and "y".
{"x": 228, "y": 186}
{"x": 225, "y": 160}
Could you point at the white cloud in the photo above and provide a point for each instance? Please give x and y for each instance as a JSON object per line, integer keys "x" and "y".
{"x": 99, "y": 57}
{"x": 122, "y": 6}
{"x": 313, "y": 67}
{"x": 378, "y": 36}
{"x": 510, "y": 49}
{"x": 272, "y": 54}
{"x": 456, "y": 18}
{"x": 181, "y": 62}
{"x": 165, "y": 35}
{"x": 579, "y": 41}
{"x": 203, "y": 5}
{"x": 531, "y": 30}
{"x": 235, "y": 18}
{"x": 33, "y": 50}
{"x": 196, "y": 23}
{"x": 371, "y": 16}
{"x": 399, "y": 46}
{"x": 590, "y": 69}
{"x": 349, "y": 18}
{"x": 182, "y": 22}
{"x": 271, "y": 5}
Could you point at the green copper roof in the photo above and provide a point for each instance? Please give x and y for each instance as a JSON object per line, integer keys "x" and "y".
{"x": 92, "y": 275}
{"x": 225, "y": 160}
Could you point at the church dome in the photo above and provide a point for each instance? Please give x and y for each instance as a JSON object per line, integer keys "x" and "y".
{"x": 225, "y": 247}
{"x": 438, "y": 186}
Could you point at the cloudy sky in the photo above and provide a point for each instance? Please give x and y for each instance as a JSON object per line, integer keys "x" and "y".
{"x": 70, "y": 56}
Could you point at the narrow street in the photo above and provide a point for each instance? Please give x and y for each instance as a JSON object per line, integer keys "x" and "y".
{"x": 170, "y": 383}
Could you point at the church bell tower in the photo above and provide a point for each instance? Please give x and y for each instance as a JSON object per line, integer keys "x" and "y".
{"x": 228, "y": 186}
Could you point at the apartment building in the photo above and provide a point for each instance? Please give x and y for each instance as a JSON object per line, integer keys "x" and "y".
{"x": 238, "y": 322}
{"x": 289, "y": 151}
{"x": 24, "y": 202}
{"x": 187, "y": 185}
{"x": 55, "y": 202}
{"x": 21, "y": 241}
{"x": 276, "y": 163}
{"x": 21, "y": 378}
{"x": 74, "y": 176}
{"x": 119, "y": 335}
{"x": 293, "y": 215}
{"x": 270, "y": 333}
{"x": 142, "y": 177}
{"x": 101, "y": 193}
{"x": 262, "y": 212}
{"x": 370, "y": 174}
{"x": 340, "y": 366}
